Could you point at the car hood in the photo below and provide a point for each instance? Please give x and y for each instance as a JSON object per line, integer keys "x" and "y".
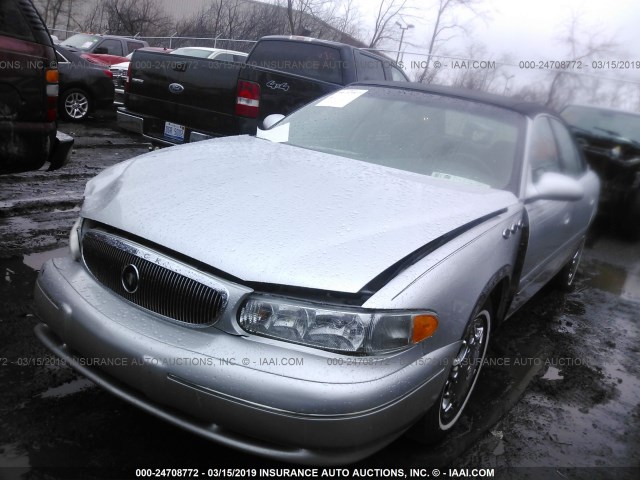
{"x": 272, "y": 213}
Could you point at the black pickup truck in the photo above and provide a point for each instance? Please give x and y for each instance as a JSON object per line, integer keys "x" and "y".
{"x": 173, "y": 99}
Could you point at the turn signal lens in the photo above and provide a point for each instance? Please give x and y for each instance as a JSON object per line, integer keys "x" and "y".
{"x": 424, "y": 326}
{"x": 52, "y": 76}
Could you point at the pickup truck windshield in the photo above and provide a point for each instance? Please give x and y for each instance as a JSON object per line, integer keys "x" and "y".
{"x": 81, "y": 41}
{"x": 193, "y": 52}
{"x": 320, "y": 62}
{"x": 419, "y": 132}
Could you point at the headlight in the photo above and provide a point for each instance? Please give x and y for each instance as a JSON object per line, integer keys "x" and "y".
{"x": 344, "y": 330}
{"x": 74, "y": 239}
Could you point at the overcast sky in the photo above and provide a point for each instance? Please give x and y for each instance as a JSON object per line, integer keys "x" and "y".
{"x": 529, "y": 30}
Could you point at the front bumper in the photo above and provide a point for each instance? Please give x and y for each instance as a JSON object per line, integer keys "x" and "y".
{"x": 151, "y": 128}
{"x": 315, "y": 413}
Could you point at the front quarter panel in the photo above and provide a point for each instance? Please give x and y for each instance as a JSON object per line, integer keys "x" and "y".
{"x": 454, "y": 278}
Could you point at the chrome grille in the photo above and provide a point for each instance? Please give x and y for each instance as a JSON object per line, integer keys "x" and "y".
{"x": 165, "y": 286}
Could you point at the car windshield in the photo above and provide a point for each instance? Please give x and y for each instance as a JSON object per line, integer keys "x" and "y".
{"x": 192, "y": 52}
{"x": 81, "y": 41}
{"x": 435, "y": 135}
{"x": 603, "y": 122}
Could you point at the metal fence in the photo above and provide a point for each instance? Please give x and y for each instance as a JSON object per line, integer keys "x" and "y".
{"x": 174, "y": 41}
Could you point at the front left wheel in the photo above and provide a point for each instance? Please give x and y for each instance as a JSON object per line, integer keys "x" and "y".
{"x": 75, "y": 105}
{"x": 461, "y": 380}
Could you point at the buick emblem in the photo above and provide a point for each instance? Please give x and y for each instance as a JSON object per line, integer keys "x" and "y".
{"x": 176, "y": 88}
{"x": 130, "y": 278}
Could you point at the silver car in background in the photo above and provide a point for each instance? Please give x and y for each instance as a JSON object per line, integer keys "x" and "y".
{"x": 311, "y": 294}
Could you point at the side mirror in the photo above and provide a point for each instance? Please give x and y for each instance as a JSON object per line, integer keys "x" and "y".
{"x": 271, "y": 120}
{"x": 555, "y": 186}
{"x": 101, "y": 50}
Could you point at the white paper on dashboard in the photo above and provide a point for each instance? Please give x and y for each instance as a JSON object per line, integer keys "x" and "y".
{"x": 341, "y": 98}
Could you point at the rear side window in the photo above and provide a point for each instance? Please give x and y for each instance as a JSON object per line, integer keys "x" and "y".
{"x": 131, "y": 46}
{"x": 369, "y": 68}
{"x": 12, "y": 21}
{"x": 397, "y": 75}
{"x": 114, "y": 47}
{"x": 306, "y": 59}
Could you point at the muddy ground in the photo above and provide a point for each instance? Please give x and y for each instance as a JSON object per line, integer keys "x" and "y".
{"x": 559, "y": 397}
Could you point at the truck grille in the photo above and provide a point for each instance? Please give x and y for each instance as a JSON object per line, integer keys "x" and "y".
{"x": 119, "y": 76}
{"x": 153, "y": 281}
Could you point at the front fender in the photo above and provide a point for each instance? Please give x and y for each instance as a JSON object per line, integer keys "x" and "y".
{"x": 457, "y": 277}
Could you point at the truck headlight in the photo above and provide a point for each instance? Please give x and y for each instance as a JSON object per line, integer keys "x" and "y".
{"x": 339, "y": 329}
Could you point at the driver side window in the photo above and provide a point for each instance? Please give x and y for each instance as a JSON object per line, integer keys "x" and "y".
{"x": 543, "y": 153}
{"x": 113, "y": 47}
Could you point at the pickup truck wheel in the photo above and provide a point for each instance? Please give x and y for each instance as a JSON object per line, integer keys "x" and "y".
{"x": 461, "y": 380}
{"x": 565, "y": 277}
{"x": 75, "y": 105}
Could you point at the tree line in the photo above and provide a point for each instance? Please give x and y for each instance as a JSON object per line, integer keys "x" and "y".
{"x": 341, "y": 20}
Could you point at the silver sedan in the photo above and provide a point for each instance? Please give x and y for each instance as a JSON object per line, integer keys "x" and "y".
{"x": 313, "y": 293}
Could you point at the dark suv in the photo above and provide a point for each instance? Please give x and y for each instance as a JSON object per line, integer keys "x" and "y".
{"x": 28, "y": 92}
{"x": 610, "y": 139}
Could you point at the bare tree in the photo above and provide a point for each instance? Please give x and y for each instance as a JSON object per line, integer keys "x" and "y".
{"x": 346, "y": 18}
{"x": 445, "y": 22}
{"x": 387, "y": 12}
{"x": 327, "y": 19}
{"x": 532, "y": 92}
{"x": 476, "y": 75}
{"x": 582, "y": 43}
{"x": 52, "y": 11}
{"x": 301, "y": 14}
{"x": 130, "y": 17}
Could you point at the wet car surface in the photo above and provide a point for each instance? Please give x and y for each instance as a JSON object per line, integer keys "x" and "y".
{"x": 571, "y": 400}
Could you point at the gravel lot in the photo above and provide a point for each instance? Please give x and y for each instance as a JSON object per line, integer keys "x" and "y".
{"x": 560, "y": 391}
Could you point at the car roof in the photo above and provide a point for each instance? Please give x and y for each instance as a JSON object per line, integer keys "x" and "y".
{"x": 212, "y": 50}
{"x": 208, "y": 49}
{"x": 331, "y": 43}
{"x": 602, "y": 109}
{"x": 529, "y": 109}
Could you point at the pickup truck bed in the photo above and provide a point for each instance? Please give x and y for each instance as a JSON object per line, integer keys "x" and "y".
{"x": 174, "y": 99}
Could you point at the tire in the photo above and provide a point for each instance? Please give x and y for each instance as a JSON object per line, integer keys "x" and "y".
{"x": 460, "y": 382}
{"x": 565, "y": 277}
{"x": 75, "y": 105}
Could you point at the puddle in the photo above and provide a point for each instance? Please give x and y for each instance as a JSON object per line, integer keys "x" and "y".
{"x": 69, "y": 388}
{"x": 36, "y": 260}
{"x": 552, "y": 373}
{"x": 618, "y": 281}
{"x": 12, "y": 458}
